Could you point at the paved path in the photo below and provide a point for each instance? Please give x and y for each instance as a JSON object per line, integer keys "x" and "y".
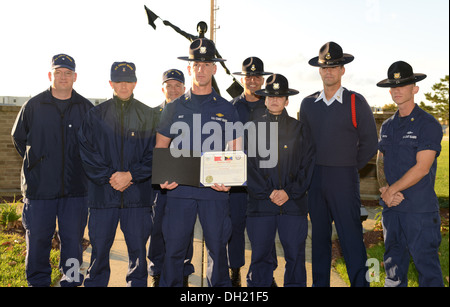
{"x": 119, "y": 258}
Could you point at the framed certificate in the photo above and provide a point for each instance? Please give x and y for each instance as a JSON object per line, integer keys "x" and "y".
{"x": 222, "y": 167}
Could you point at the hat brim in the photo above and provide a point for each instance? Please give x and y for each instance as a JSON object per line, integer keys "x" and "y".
{"x": 129, "y": 79}
{"x": 289, "y": 92}
{"x": 257, "y": 73}
{"x": 402, "y": 82}
{"x": 186, "y": 58}
{"x": 63, "y": 66}
{"x": 347, "y": 58}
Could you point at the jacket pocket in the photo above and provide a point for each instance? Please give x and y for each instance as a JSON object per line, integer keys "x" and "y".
{"x": 35, "y": 163}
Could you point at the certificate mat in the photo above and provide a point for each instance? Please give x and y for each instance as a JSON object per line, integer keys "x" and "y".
{"x": 182, "y": 170}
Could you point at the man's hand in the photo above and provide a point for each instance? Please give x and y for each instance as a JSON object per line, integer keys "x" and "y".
{"x": 168, "y": 186}
{"x": 389, "y": 198}
{"x": 220, "y": 188}
{"x": 120, "y": 181}
{"x": 279, "y": 197}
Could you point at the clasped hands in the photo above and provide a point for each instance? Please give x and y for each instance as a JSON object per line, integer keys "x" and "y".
{"x": 120, "y": 181}
{"x": 279, "y": 197}
{"x": 390, "y": 198}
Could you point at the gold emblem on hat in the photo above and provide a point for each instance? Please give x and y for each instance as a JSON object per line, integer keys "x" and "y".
{"x": 276, "y": 86}
{"x": 253, "y": 67}
{"x": 397, "y": 75}
{"x": 202, "y": 50}
{"x": 328, "y": 56}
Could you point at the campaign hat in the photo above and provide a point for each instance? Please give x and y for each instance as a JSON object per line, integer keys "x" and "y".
{"x": 399, "y": 74}
{"x": 202, "y": 50}
{"x": 331, "y": 55}
{"x": 252, "y": 66}
{"x": 277, "y": 86}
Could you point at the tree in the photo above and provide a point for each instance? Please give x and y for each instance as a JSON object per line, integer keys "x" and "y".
{"x": 440, "y": 99}
{"x": 391, "y": 107}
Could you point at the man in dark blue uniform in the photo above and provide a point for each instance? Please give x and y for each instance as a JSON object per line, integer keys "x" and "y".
{"x": 54, "y": 185}
{"x": 249, "y": 107}
{"x": 410, "y": 142}
{"x": 197, "y": 107}
{"x": 173, "y": 87}
{"x": 345, "y": 136}
{"x": 278, "y": 200}
{"x": 116, "y": 146}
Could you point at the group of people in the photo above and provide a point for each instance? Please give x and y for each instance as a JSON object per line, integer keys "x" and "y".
{"x": 82, "y": 161}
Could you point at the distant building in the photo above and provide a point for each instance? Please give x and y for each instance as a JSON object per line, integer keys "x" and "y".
{"x": 18, "y": 101}
{"x": 13, "y": 100}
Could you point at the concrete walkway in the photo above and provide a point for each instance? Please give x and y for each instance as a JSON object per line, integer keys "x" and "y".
{"x": 119, "y": 258}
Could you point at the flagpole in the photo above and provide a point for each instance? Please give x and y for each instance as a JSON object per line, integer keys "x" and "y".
{"x": 212, "y": 23}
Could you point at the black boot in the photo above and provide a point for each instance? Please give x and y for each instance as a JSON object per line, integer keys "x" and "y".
{"x": 235, "y": 276}
{"x": 274, "y": 283}
{"x": 186, "y": 281}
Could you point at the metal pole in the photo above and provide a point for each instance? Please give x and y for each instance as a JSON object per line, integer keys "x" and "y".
{"x": 212, "y": 22}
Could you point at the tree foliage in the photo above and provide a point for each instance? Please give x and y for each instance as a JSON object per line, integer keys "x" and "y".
{"x": 439, "y": 98}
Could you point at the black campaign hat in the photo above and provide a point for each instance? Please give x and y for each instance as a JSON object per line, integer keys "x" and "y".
{"x": 331, "y": 55}
{"x": 202, "y": 50}
{"x": 252, "y": 66}
{"x": 277, "y": 86}
{"x": 400, "y": 74}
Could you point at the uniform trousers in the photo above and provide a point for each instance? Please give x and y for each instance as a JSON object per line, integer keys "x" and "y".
{"x": 334, "y": 196}
{"x": 292, "y": 231}
{"x": 39, "y": 220}
{"x": 415, "y": 234}
{"x": 135, "y": 224}
{"x": 156, "y": 247}
{"x": 236, "y": 245}
{"x": 238, "y": 214}
{"x": 178, "y": 226}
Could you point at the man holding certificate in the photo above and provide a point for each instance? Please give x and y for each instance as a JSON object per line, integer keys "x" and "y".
{"x": 200, "y": 107}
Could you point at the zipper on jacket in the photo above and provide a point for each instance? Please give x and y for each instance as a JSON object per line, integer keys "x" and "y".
{"x": 121, "y": 146}
{"x": 63, "y": 154}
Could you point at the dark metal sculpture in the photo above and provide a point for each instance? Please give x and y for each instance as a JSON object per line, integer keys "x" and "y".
{"x": 236, "y": 88}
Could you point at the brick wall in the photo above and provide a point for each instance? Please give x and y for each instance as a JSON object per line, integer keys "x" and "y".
{"x": 10, "y": 161}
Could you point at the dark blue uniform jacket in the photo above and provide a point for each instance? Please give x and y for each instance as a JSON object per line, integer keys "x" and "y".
{"x": 248, "y": 110}
{"x": 46, "y": 138}
{"x": 118, "y": 136}
{"x": 292, "y": 173}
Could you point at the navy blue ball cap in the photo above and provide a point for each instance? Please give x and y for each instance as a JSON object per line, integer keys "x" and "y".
{"x": 63, "y": 61}
{"x": 173, "y": 74}
{"x": 123, "y": 72}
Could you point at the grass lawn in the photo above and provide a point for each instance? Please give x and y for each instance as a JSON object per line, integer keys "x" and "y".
{"x": 12, "y": 261}
{"x": 442, "y": 191}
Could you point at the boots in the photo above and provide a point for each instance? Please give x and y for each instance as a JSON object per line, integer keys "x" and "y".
{"x": 235, "y": 276}
{"x": 155, "y": 281}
